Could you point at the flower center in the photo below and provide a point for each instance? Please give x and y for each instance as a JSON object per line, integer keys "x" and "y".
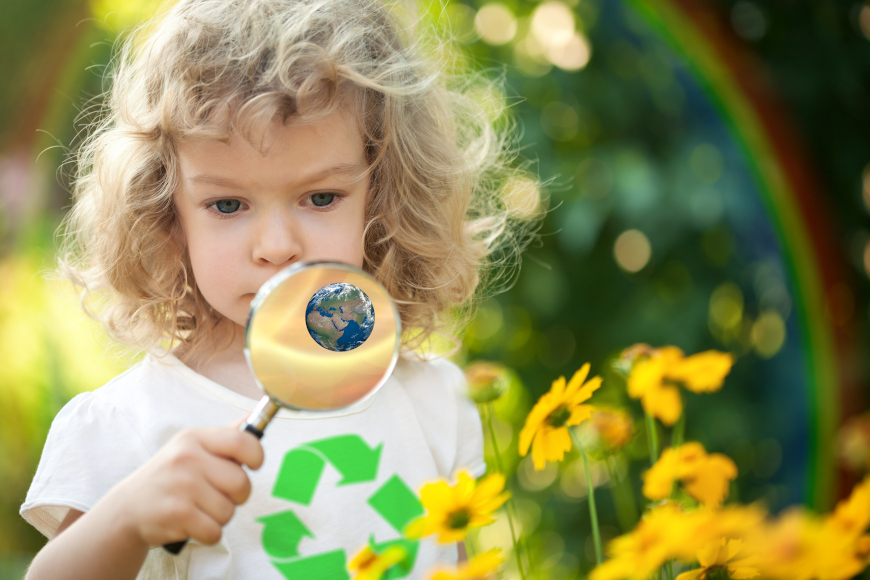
{"x": 717, "y": 573}
{"x": 558, "y": 417}
{"x": 458, "y": 520}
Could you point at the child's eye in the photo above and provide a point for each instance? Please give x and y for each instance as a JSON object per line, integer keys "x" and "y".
{"x": 227, "y": 205}
{"x": 322, "y": 199}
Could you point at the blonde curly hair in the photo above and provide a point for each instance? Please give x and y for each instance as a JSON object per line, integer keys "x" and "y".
{"x": 436, "y": 224}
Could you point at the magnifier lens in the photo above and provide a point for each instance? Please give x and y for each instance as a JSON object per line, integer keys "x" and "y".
{"x": 322, "y": 336}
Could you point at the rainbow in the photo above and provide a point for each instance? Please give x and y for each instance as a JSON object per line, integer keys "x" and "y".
{"x": 732, "y": 82}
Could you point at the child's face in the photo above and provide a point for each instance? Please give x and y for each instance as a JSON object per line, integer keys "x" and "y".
{"x": 301, "y": 201}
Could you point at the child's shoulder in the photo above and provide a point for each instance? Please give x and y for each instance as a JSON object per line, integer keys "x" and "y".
{"x": 141, "y": 382}
{"x": 137, "y": 400}
{"x": 437, "y": 384}
{"x": 438, "y": 374}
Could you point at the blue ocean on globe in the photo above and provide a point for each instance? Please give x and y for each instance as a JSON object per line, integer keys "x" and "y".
{"x": 340, "y": 317}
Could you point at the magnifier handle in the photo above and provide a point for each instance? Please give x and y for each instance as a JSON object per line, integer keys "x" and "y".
{"x": 254, "y": 424}
{"x": 175, "y": 547}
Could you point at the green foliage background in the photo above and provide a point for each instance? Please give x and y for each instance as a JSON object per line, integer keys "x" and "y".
{"x": 570, "y": 302}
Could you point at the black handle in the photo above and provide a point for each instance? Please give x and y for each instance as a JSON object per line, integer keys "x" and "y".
{"x": 175, "y": 547}
{"x": 252, "y": 430}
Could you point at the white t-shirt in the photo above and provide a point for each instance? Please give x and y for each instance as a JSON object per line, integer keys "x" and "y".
{"x": 329, "y": 484}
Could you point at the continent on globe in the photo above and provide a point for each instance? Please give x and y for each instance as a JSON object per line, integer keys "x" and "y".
{"x": 340, "y": 317}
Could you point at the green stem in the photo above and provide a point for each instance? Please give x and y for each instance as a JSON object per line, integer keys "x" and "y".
{"x": 488, "y": 413}
{"x": 679, "y": 432}
{"x": 590, "y": 491}
{"x": 670, "y": 570}
{"x": 623, "y": 498}
{"x": 652, "y": 438}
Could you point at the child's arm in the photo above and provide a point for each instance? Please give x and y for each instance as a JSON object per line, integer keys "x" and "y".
{"x": 189, "y": 489}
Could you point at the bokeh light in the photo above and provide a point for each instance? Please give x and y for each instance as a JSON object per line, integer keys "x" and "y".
{"x": 726, "y": 311}
{"x": 768, "y": 334}
{"x": 536, "y": 479}
{"x": 632, "y": 250}
{"x": 748, "y": 20}
{"x": 552, "y": 35}
{"x": 522, "y": 197}
{"x": 572, "y": 55}
{"x": 560, "y": 121}
{"x": 864, "y": 21}
{"x": 118, "y": 15}
{"x": 530, "y": 58}
{"x": 594, "y": 178}
{"x": 867, "y": 258}
{"x": 460, "y": 18}
{"x": 707, "y": 163}
{"x": 865, "y": 179}
{"x": 552, "y": 23}
{"x": 495, "y": 24}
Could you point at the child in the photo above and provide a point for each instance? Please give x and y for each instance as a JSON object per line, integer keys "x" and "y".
{"x": 243, "y": 136}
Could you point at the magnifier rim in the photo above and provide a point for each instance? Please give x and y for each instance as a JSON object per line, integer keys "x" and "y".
{"x": 275, "y": 281}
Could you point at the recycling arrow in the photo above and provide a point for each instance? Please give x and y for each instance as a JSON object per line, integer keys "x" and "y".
{"x": 297, "y": 482}
{"x": 400, "y": 569}
{"x": 300, "y": 471}
{"x": 282, "y": 534}
{"x": 349, "y": 454}
{"x": 326, "y": 566}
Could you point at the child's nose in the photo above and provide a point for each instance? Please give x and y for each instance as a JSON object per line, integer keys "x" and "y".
{"x": 277, "y": 240}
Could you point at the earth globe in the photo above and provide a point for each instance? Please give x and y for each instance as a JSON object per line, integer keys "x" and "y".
{"x": 340, "y": 317}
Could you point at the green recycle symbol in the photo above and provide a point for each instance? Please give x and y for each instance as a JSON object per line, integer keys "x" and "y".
{"x": 297, "y": 481}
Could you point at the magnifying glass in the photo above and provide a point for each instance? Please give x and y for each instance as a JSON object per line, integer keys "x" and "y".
{"x": 320, "y": 336}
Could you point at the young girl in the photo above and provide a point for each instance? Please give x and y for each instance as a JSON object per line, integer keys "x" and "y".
{"x": 243, "y": 136}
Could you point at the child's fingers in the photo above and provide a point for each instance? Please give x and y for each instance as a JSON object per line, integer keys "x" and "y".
{"x": 233, "y": 444}
{"x": 202, "y": 528}
{"x": 213, "y": 503}
{"x": 227, "y": 477}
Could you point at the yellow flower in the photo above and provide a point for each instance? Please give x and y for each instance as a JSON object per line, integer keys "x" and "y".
{"x": 371, "y": 566}
{"x": 452, "y": 510}
{"x": 801, "y": 546}
{"x": 656, "y": 372}
{"x": 546, "y": 428}
{"x": 667, "y": 532}
{"x": 480, "y": 567}
{"x": 722, "y": 554}
{"x": 664, "y": 531}
{"x": 703, "y": 372}
{"x": 487, "y": 381}
{"x": 852, "y": 515}
{"x": 704, "y": 477}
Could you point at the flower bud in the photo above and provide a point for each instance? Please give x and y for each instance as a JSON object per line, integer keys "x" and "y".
{"x": 487, "y": 381}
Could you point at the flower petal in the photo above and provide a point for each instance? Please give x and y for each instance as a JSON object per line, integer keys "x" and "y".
{"x": 663, "y": 403}
{"x": 580, "y": 414}
{"x": 691, "y": 574}
{"x": 647, "y": 374}
{"x": 659, "y": 479}
{"x": 577, "y": 380}
{"x": 558, "y": 388}
{"x": 703, "y": 372}
{"x": 710, "y": 483}
{"x": 708, "y": 555}
{"x": 535, "y": 420}
{"x": 586, "y": 391}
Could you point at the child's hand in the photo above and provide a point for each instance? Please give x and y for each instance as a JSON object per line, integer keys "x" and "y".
{"x": 190, "y": 488}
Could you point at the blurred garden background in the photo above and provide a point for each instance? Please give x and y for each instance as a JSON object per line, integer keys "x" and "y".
{"x": 707, "y": 169}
